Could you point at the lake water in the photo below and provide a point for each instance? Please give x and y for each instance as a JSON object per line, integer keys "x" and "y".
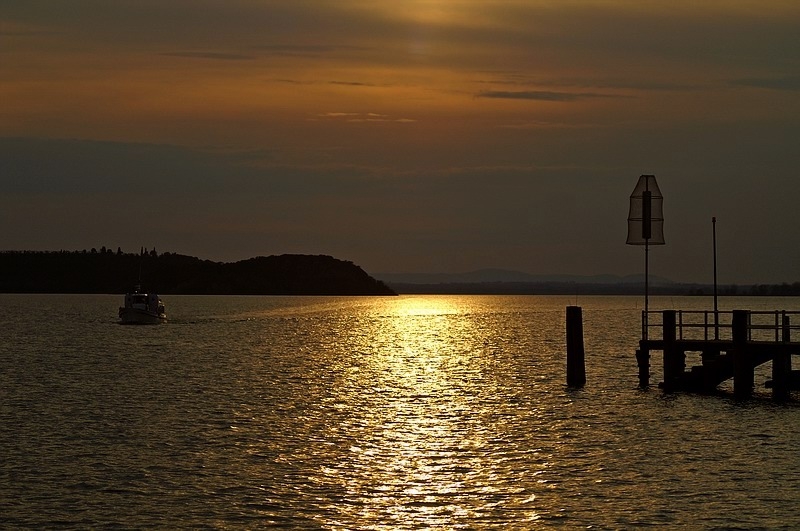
{"x": 411, "y": 412}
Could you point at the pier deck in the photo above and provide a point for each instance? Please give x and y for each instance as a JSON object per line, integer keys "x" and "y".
{"x": 731, "y": 345}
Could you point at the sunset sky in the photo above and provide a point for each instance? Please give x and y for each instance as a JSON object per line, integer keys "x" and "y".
{"x": 406, "y": 136}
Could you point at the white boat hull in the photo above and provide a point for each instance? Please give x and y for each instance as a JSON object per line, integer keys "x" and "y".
{"x": 139, "y": 316}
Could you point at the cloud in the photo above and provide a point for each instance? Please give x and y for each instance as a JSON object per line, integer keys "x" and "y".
{"x": 338, "y": 114}
{"x": 75, "y": 168}
{"x": 316, "y": 82}
{"x": 364, "y": 117}
{"x": 304, "y": 49}
{"x": 352, "y": 83}
{"x": 523, "y": 79}
{"x": 210, "y": 55}
{"x": 26, "y": 33}
{"x": 543, "y": 95}
{"x": 541, "y": 124}
{"x": 790, "y": 83}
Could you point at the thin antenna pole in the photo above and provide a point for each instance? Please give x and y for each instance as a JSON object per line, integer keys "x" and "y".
{"x": 646, "y": 233}
{"x": 716, "y": 308}
{"x": 139, "y": 280}
{"x": 646, "y": 285}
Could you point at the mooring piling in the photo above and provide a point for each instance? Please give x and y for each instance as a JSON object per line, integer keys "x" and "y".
{"x": 576, "y": 367}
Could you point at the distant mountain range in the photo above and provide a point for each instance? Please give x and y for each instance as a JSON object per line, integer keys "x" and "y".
{"x": 509, "y": 282}
{"x": 505, "y": 275}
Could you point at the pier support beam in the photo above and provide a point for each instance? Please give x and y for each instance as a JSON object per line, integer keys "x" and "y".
{"x": 576, "y": 367}
{"x": 782, "y": 365}
{"x": 711, "y": 362}
{"x": 643, "y": 361}
{"x": 743, "y": 370}
{"x": 674, "y": 358}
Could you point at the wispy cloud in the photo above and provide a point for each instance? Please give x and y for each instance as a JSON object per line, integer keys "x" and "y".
{"x": 363, "y": 117}
{"x": 26, "y": 33}
{"x": 352, "y": 83}
{"x": 522, "y": 80}
{"x": 791, "y": 83}
{"x": 540, "y": 124}
{"x": 306, "y": 49}
{"x": 218, "y": 56}
{"x": 319, "y": 82}
{"x": 543, "y": 95}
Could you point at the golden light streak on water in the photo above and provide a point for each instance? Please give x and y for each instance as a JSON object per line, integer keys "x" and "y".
{"x": 424, "y": 404}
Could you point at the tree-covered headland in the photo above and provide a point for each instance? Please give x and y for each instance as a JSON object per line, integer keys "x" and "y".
{"x": 108, "y": 271}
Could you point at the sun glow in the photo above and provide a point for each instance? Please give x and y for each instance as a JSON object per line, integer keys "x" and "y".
{"x": 426, "y": 306}
{"x": 425, "y": 11}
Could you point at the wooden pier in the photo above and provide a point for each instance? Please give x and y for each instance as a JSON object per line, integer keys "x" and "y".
{"x": 731, "y": 345}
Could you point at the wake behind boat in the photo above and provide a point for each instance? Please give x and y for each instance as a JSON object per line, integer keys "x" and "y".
{"x": 142, "y": 308}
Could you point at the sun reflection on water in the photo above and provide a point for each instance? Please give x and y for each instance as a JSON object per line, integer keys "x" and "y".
{"x": 434, "y": 446}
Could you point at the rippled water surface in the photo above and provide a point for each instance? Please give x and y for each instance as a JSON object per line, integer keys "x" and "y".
{"x": 412, "y": 412}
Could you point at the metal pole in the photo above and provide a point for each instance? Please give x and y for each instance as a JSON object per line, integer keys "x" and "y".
{"x": 646, "y": 286}
{"x": 646, "y": 233}
{"x": 716, "y": 309}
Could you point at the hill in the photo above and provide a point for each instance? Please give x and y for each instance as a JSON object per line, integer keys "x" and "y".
{"x": 168, "y": 273}
{"x": 506, "y": 276}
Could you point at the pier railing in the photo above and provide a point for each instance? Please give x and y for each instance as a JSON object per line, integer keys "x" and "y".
{"x": 708, "y": 325}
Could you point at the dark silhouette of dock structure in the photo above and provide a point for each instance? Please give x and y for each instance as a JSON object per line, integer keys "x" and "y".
{"x": 731, "y": 345}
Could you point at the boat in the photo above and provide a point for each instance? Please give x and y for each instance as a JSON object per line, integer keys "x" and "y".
{"x": 142, "y": 308}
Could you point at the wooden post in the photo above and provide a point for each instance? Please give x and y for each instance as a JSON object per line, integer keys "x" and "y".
{"x": 643, "y": 361}
{"x": 576, "y": 368}
{"x": 782, "y": 365}
{"x": 743, "y": 377}
{"x": 673, "y": 364}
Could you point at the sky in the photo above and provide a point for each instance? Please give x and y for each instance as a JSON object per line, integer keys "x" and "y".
{"x": 412, "y": 136}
